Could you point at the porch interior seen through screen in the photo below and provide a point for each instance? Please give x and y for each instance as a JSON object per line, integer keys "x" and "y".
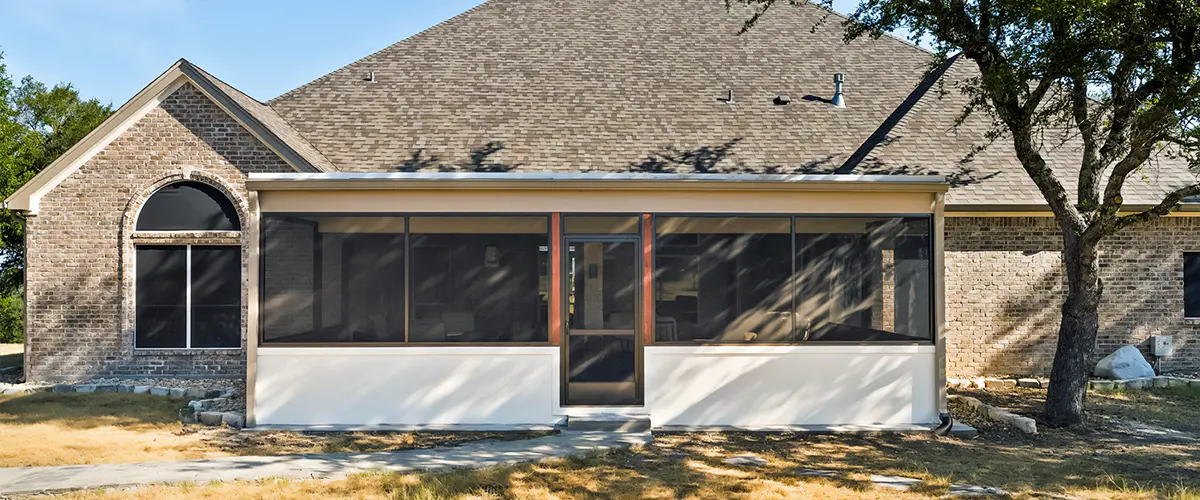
{"x": 338, "y": 279}
{"x": 763, "y": 279}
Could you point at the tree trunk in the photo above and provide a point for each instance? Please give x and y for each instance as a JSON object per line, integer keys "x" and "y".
{"x": 1076, "y": 334}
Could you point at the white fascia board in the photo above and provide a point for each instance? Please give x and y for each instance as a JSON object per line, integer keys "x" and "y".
{"x": 28, "y": 197}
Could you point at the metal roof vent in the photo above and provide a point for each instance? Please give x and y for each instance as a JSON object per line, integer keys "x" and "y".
{"x": 839, "y": 101}
{"x": 370, "y": 77}
{"x": 782, "y": 100}
{"x": 728, "y": 99}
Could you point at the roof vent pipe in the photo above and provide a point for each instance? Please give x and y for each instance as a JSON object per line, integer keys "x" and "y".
{"x": 370, "y": 77}
{"x": 839, "y": 101}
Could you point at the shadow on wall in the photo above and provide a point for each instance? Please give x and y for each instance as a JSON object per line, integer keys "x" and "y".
{"x": 1005, "y": 287}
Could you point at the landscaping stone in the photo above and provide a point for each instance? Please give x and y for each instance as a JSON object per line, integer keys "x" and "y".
{"x": 40, "y": 388}
{"x": 1136, "y": 384}
{"x": 235, "y": 420}
{"x": 213, "y": 393}
{"x": 63, "y": 388}
{"x": 979, "y": 383}
{"x": 1032, "y": 383}
{"x": 124, "y": 388}
{"x": 106, "y": 388}
{"x": 1023, "y": 424}
{"x": 746, "y": 460}
{"x": 1160, "y": 381}
{"x": 1103, "y": 385}
{"x": 1126, "y": 363}
{"x": 160, "y": 391}
{"x": 210, "y": 417}
{"x": 177, "y": 393}
{"x": 85, "y": 388}
{"x": 895, "y": 482}
{"x": 13, "y": 390}
{"x": 194, "y": 393}
{"x": 1177, "y": 382}
{"x": 141, "y": 389}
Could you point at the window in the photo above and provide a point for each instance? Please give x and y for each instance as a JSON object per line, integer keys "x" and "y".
{"x": 723, "y": 279}
{"x": 188, "y": 206}
{"x": 1191, "y": 284}
{"x": 188, "y": 297}
{"x": 393, "y": 279}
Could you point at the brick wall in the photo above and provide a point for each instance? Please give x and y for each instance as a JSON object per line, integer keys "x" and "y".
{"x": 80, "y": 244}
{"x": 1004, "y": 287}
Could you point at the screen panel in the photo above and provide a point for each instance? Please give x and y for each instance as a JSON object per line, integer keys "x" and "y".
{"x": 479, "y": 279}
{"x": 723, "y": 279}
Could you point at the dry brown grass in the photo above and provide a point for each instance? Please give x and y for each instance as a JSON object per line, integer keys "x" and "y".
{"x": 71, "y": 428}
{"x": 1090, "y": 463}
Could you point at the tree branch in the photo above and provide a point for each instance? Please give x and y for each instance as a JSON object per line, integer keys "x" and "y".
{"x": 1164, "y": 208}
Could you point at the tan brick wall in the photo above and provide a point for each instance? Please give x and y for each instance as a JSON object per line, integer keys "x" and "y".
{"x": 1004, "y": 286}
{"x": 80, "y": 244}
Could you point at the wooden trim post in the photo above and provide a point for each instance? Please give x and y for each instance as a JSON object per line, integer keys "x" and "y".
{"x": 555, "y": 299}
{"x": 647, "y": 279}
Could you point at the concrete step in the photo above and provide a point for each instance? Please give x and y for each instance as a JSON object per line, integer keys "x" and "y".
{"x": 609, "y": 422}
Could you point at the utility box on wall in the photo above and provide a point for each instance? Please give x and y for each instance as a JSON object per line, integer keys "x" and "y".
{"x": 1161, "y": 345}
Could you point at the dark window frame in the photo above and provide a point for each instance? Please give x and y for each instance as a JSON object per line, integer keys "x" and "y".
{"x": 1191, "y": 312}
{"x": 408, "y": 275}
{"x": 188, "y": 297}
{"x": 935, "y": 274}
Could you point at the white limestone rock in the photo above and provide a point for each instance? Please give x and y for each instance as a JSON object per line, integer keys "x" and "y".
{"x": 1126, "y": 363}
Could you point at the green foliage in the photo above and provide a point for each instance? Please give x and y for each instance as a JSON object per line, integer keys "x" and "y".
{"x": 12, "y": 317}
{"x": 38, "y": 123}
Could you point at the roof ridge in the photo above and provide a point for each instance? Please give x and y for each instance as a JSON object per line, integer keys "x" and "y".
{"x": 389, "y": 46}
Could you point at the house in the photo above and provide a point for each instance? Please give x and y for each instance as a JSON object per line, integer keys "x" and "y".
{"x": 541, "y": 209}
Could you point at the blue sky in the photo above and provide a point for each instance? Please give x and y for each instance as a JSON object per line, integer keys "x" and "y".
{"x": 110, "y": 49}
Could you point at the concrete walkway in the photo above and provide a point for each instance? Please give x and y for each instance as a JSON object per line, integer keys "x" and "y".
{"x": 474, "y": 455}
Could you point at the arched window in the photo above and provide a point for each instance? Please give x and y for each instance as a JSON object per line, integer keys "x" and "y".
{"x": 189, "y": 294}
{"x": 188, "y": 206}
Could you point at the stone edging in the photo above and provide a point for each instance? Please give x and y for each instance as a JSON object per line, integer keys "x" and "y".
{"x": 203, "y": 399}
{"x": 1023, "y": 424}
{"x": 1096, "y": 385}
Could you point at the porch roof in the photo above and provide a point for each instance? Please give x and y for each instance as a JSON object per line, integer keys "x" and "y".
{"x": 573, "y": 180}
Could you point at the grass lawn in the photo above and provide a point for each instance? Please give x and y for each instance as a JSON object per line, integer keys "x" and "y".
{"x": 1100, "y": 461}
{"x": 12, "y": 355}
{"x": 72, "y": 428}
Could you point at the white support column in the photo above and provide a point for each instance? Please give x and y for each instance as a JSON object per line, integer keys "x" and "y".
{"x": 252, "y": 313}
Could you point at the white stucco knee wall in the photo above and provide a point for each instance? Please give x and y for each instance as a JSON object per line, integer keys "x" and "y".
{"x": 791, "y": 385}
{"x": 684, "y": 385}
{"x": 406, "y": 385}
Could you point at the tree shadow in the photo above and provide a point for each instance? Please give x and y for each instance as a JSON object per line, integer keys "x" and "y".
{"x": 480, "y": 159}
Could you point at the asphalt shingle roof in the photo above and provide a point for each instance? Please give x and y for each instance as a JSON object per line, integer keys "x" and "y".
{"x": 595, "y": 86}
{"x": 584, "y": 86}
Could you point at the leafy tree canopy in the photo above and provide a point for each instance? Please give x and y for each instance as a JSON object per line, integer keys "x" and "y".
{"x": 1121, "y": 76}
{"x": 38, "y": 123}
